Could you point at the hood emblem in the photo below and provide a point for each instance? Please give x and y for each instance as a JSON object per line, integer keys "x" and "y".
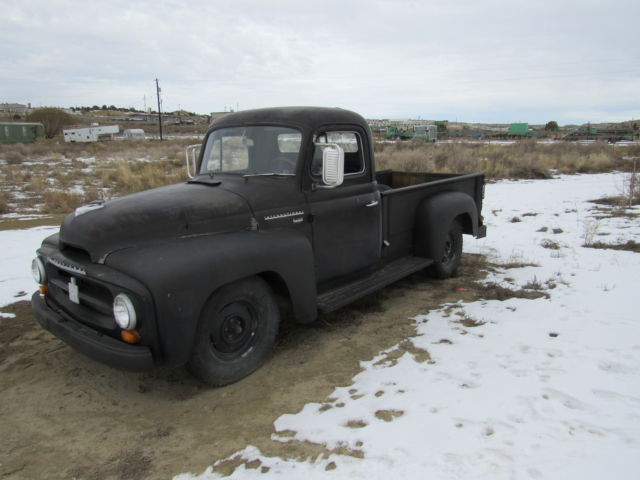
{"x": 96, "y": 205}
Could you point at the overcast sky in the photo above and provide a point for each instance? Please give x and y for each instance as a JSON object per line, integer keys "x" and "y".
{"x": 484, "y": 61}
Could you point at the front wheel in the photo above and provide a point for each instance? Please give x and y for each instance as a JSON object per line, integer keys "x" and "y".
{"x": 236, "y": 332}
{"x": 446, "y": 266}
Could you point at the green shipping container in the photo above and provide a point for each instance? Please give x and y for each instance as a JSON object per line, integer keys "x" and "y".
{"x": 20, "y": 132}
{"x": 519, "y": 129}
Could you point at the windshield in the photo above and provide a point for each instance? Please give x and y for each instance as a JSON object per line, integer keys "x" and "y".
{"x": 252, "y": 150}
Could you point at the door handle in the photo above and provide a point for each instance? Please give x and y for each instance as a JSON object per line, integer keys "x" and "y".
{"x": 373, "y": 203}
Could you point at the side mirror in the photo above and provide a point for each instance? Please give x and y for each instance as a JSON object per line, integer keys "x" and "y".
{"x": 191, "y": 159}
{"x": 332, "y": 165}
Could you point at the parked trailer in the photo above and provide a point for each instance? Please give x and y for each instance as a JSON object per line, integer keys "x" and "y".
{"x": 90, "y": 134}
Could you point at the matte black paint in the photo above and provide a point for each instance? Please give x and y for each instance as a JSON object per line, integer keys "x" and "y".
{"x": 171, "y": 248}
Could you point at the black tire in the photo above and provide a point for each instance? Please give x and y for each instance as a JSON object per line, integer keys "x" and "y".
{"x": 447, "y": 265}
{"x": 235, "y": 333}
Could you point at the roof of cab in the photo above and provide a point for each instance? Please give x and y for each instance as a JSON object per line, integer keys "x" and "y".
{"x": 305, "y": 118}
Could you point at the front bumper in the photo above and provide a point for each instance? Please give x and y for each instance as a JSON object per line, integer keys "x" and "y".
{"x": 92, "y": 343}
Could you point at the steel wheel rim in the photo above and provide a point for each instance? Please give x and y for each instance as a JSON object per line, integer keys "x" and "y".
{"x": 233, "y": 330}
{"x": 448, "y": 253}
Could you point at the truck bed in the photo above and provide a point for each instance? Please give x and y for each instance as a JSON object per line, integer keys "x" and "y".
{"x": 402, "y": 192}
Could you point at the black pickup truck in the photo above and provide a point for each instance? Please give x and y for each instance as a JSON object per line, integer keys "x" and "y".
{"x": 283, "y": 204}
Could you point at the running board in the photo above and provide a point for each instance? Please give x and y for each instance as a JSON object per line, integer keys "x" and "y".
{"x": 392, "y": 272}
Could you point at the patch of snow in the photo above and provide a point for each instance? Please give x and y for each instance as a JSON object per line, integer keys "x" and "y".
{"x": 22, "y": 216}
{"x": 86, "y": 159}
{"x": 18, "y": 249}
{"x": 540, "y": 389}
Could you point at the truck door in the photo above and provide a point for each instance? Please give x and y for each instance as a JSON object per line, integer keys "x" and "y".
{"x": 347, "y": 233}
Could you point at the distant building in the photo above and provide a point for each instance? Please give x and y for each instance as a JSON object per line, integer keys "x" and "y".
{"x": 14, "y": 108}
{"x": 90, "y": 134}
{"x": 133, "y": 134}
{"x": 20, "y": 132}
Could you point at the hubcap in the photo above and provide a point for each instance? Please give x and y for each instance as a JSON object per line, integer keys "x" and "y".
{"x": 233, "y": 330}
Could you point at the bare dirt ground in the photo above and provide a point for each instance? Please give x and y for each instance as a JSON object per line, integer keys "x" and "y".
{"x": 64, "y": 416}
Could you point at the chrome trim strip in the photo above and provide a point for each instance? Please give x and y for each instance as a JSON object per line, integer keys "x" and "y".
{"x": 278, "y": 216}
{"x": 66, "y": 266}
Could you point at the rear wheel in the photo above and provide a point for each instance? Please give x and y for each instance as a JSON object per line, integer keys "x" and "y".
{"x": 235, "y": 333}
{"x": 446, "y": 266}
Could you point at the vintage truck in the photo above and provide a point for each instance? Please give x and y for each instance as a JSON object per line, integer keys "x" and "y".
{"x": 282, "y": 205}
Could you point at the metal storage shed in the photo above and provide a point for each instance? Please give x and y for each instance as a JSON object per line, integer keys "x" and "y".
{"x": 20, "y": 132}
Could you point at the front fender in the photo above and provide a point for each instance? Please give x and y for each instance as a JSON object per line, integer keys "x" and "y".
{"x": 183, "y": 273}
{"x": 433, "y": 217}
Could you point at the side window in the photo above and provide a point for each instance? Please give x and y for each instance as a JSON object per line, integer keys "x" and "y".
{"x": 352, "y": 146}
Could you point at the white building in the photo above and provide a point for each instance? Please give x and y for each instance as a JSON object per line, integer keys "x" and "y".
{"x": 133, "y": 134}
{"x": 15, "y": 108}
{"x": 90, "y": 134}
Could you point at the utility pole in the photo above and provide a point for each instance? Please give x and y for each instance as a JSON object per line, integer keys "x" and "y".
{"x": 159, "y": 110}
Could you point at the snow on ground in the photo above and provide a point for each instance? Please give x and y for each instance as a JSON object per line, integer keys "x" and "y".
{"x": 537, "y": 389}
{"x": 515, "y": 389}
{"x": 18, "y": 247}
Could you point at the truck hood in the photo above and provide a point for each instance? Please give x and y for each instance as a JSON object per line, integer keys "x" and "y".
{"x": 154, "y": 215}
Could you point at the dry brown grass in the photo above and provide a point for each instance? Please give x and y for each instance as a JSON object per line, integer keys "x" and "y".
{"x": 526, "y": 159}
{"x": 61, "y": 202}
{"x": 4, "y": 203}
{"x": 61, "y": 176}
{"x": 129, "y": 177}
{"x": 52, "y": 176}
{"x": 630, "y": 246}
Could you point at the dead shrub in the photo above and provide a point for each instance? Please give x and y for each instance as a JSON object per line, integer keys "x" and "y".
{"x": 534, "y": 284}
{"x": 550, "y": 244}
{"x": 61, "y": 202}
{"x": 14, "y": 157}
{"x": 36, "y": 185}
{"x": 4, "y": 203}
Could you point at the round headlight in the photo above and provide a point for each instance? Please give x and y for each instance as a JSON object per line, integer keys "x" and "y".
{"x": 124, "y": 312}
{"x": 38, "y": 271}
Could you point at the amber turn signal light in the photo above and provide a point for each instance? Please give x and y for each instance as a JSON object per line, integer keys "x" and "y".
{"x": 130, "y": 336}
{"x": 43, "y": 289}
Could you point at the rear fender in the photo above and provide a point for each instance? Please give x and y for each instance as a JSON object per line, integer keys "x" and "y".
{"x": 433, "y": 217}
